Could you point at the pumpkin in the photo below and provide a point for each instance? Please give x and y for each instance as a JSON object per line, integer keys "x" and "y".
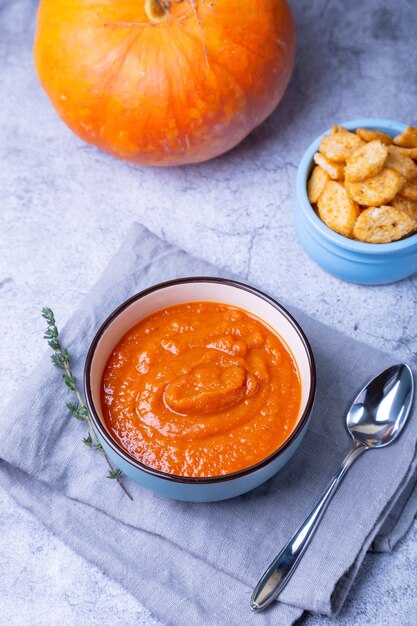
{"x": 164, "y": 82}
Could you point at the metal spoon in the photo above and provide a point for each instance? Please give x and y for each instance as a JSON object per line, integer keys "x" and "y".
{"x": 374, "y": 420}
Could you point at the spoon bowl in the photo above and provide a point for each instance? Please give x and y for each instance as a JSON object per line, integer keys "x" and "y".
{"x": 379, "y": 411}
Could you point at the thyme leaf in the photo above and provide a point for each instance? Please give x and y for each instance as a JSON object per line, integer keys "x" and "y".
{"x": 114, "y": 474}
{"x": 61, "y": 359}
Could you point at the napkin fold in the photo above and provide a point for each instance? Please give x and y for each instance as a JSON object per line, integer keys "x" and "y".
{"x": 191, "y": 563}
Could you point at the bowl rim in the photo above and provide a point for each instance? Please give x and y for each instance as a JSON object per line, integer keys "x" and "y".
{"x": 373, "y": 123}
{"x": 195, "y": 479}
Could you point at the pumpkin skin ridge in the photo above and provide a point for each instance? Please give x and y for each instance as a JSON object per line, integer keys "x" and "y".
{"x": 116, "y": 152}
{"x": 97, "y": 103}
{"x": 184, "y": 141}
{"x": 113, "y": 77}
{"x": 218, "y": 74}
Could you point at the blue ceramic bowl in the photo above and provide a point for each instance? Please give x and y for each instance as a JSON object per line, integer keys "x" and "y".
{"x": 354, "y": 261}
{"x": 192, "y": 290}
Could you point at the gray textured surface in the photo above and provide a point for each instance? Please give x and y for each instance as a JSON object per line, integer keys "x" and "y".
{"x": 65, "y": 207}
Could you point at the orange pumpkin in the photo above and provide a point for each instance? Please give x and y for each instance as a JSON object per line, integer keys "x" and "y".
{"x": 164, "y": 82}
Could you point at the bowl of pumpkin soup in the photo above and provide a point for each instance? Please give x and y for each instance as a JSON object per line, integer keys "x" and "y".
{"x": 200, "y": 389}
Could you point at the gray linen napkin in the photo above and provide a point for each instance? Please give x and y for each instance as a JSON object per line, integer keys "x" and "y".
{"x": 197, "y": 563}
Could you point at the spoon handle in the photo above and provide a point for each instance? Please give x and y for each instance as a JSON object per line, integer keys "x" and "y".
{"x": 283, "y": 566}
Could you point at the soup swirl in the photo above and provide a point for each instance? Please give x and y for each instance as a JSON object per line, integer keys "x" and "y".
{"x": 201, "y": 389}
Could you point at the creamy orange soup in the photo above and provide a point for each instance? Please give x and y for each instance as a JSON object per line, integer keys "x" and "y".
{"x": 201, "y": 389}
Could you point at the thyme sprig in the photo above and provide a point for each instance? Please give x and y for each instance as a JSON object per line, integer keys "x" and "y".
{"x": 61, "y": 358}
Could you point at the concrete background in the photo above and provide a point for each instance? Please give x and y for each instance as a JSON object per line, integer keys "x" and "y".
{"x": 65, "y": 207}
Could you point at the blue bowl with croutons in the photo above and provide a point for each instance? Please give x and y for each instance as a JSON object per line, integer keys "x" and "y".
{"x": 349, "y": 259}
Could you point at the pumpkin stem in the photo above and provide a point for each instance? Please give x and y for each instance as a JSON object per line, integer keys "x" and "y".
{"x": 157, "y": 10}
